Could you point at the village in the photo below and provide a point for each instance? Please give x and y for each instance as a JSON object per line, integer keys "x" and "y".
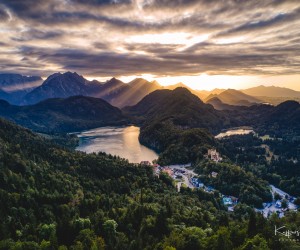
{"x": 184, "y": 176}
{"x": 281, "y": 203}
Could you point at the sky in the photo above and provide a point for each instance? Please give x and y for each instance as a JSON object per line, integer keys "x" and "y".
{"x": 204, "y": 43}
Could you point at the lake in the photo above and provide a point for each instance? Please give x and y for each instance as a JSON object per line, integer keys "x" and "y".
{"x": 231, "y": 132}
{"x": 121, "y": 141}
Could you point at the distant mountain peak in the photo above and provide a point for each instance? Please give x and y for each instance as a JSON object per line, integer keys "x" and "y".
{"x": 155, "y": 82}
{"x": 66, "y": 80}
{"x": 210, "y": 96}
{"x": 59, "y": 85}
{"x": 113, "y": 80}
{"x": 215, "y": 99}
{"x": 234, "y": 97}
{"x": 272, "y": 91}
{"x": 138, "y": 81}
{"x": 51, "y": 77}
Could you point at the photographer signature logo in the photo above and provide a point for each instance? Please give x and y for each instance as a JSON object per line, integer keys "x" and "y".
{"x": 289, "y": 234}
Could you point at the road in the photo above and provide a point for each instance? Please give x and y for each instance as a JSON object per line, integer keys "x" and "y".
{"x": 188, "y": 173}
{"x": 279, "y": 191}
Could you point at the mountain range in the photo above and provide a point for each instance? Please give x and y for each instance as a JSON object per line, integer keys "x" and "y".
{"x": 272, "y": 94}
{"x": 162, "y": 110}
{"x": 271, "y": 91}
{"x": 24, "y": 90}
{"x": 114, "y": 91}
{"x": 186, "y": 110}
{"x": 58, "y": 86}
{"x": 126, "y": 94}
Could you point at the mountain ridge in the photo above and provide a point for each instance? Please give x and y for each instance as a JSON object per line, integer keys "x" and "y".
{"x": 271, "y": 91}
{"x": 234, "y": 97}
{"x": 69, "y": 84}
{"x": 122, "y": 94}
{"x": 58, "y": 86}
{"x": 64, "y": 114}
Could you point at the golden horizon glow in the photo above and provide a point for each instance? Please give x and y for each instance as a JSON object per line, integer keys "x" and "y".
{"x": 210, "y": 82}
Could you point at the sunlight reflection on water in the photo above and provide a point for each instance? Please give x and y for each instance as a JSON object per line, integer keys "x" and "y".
{"x": 121, "y": 141}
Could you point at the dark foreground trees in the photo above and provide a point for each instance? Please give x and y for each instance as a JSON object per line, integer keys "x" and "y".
{"x": 52, "y": 198}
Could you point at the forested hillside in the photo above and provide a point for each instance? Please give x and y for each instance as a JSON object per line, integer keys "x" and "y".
{"x": 52, "y": 198}
{"x": 180, "y": 107}
{"x": 64, "y": 115}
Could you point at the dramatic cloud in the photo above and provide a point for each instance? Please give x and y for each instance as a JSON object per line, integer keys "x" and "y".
{"x": 101, "y": 38}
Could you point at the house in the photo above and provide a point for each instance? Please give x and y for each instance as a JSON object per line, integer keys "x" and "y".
{"x": 227, "y": 201}
{"x": 156, "y": 167}
{"x": 214, "y": 174}
{"x": 212, "y": 154}
{"x": 234, "y": 199}
{"x": 168, "y": 171}
{"x": 197, "y": 183}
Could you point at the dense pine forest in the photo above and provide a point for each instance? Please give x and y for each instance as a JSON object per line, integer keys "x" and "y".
{"x": 55, "y": 198}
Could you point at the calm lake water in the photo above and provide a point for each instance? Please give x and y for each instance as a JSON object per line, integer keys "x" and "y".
{"x": 234, "y": 132}
{"x": 121, "y": 141}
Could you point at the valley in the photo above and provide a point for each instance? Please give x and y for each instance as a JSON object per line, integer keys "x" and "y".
{"x": 184, "y": 176}
{"x": 149, "y": 125}
{"x": 166, "y": 155}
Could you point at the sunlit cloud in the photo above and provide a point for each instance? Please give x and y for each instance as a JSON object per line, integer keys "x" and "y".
{"x": 167, "y": 38}
{"x": 170, "y": 39}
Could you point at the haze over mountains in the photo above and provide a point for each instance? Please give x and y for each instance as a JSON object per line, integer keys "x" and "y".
{"x": 234, "y": 97}
{"x": 271, "y": 91}
{"x": 273, "y": 94}
{"x": 13, "y": 87}
{"x": 114, "y": 91}
{"x": 23, "y": 90}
